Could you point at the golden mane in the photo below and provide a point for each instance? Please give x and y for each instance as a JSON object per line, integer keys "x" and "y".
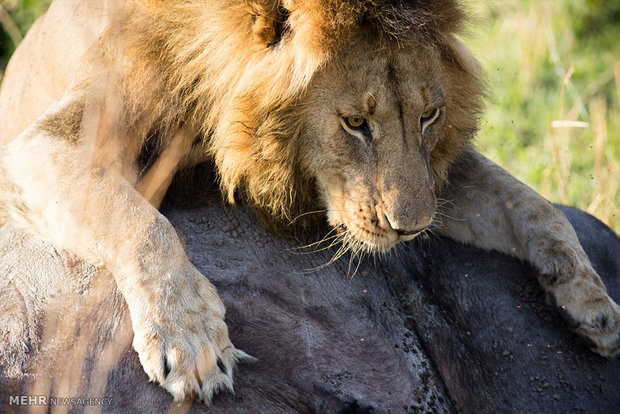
{"x": 206, "y": 66}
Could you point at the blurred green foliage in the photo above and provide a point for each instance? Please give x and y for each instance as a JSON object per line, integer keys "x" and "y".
{"x": 16, "y": 17}
{"x": 548, "y": 63}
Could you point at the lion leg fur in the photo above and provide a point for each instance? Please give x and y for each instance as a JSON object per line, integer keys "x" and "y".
{"x": 84, "y": 205}
{"x": 486, "y": 206}
{"x": 155, "y": 183}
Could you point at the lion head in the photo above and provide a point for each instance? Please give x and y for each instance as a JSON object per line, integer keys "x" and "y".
{"x": 355, "y": 108}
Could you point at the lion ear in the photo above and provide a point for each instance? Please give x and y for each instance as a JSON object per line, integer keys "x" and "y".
{"x": 454, "y": 51}
{"x": 464, "y": 93}
{"x": 269, "y": 21}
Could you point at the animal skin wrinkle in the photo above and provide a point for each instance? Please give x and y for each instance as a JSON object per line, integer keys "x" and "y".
{"x": 308, "y": 337}
{"x": 308, "y": 333}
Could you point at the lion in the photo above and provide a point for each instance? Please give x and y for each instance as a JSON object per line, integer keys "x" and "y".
{"x": 363, "y": 111}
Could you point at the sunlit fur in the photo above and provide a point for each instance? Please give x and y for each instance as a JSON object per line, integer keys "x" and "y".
{"x": 262, "y": 87}
{"x": 206, "y": 65}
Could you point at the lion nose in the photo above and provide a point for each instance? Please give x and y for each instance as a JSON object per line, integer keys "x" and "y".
{"x": 418, "y": 225}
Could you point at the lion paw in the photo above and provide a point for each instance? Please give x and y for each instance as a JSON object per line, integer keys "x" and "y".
{"x": 187, "y": 367}
{"x": 595, "y": 318}
{"x": 183, "y": 345}
{"x": 602, "y": 327}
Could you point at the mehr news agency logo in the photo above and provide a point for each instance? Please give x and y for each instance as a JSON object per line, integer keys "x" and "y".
{"x": 43, "y": 400}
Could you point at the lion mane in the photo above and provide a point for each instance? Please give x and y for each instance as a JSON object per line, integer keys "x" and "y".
{"x": 210, "y": 67}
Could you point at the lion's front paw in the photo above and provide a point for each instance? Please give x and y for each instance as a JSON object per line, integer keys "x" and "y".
{"x": 183, "y": 343}
{"x": 187, "y": 364}
{"x": 584, "y": 303}
{"x": 600, "y": 323}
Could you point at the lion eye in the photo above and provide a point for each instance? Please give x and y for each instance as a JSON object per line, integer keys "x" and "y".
{"x": 356, "y": 125}
{"x": 355, "y": 122}
{"x": 428, "y": 118}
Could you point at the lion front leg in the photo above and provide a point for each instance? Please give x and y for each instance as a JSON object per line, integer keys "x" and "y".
{"x": 51, "y": 186}
{"x": 485, "y": 206}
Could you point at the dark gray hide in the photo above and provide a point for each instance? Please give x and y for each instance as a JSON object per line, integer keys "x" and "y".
{"x": 434, "y": 327}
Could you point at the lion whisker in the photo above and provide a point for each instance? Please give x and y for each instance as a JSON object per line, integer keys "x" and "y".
{"x": 442, "y": 214}
{"x": 306, "y": 214}
{"x": 339, "y": 253}
{"x": 325, "y": 238}
{"x": 444, "y": 201}
{"x": 318, "y": 243}
{"x": 358, "y": 254}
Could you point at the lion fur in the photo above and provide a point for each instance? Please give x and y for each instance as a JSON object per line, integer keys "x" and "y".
{"x": 206, "y": 66}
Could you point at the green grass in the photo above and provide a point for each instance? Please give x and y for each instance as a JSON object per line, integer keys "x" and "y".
{"x": 549, "y": 62}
